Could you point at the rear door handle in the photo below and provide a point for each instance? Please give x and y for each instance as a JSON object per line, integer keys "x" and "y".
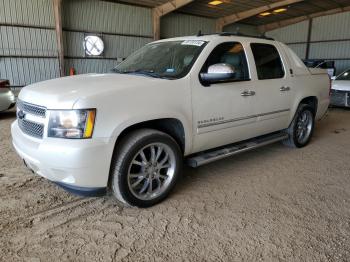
{"x": 248, "y": 93}
{"x": 284, "y": 88}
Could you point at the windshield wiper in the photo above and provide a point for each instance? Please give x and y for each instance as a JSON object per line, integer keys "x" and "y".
{"x": 150, "y": 73}
{"x": 115, "y": 70}
{"x": 142, "y": 72}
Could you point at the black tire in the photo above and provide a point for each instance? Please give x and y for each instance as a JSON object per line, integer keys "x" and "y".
{"x": 292, "y": 140}
{"x": 125, "y": 153}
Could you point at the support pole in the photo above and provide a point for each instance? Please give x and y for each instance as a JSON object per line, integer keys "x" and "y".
{"x": 156, "y": 24}
{"x": 57, "y": 7}
{"x": 309, "y": 32}
{"x": 164, "y": 9}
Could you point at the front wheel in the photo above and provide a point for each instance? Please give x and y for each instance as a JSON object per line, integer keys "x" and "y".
{"x": 145, "y": 168}
{"x": 301, "y": 129}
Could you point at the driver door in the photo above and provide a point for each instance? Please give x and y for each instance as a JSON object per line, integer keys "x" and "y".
{"x": 222, "y": 112}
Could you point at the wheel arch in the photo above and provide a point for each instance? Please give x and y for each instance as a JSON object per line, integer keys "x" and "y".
{"x": 308, "y": 100}
{"x": 171, "y": 126}
{"x": 312, "y": 101}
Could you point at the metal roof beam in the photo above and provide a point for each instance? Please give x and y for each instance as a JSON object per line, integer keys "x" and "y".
{"x": 230, "y": 19}
{"x": 170, "y": 6}
{"x": 164, "y": 9}
{"x": 286, "y": 22}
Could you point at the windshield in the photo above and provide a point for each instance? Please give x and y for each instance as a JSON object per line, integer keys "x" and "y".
{"x": 345, "y": 75}
{"x": 170, "y": 60}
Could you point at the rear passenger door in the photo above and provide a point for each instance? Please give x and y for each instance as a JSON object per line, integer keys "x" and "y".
{"x": 272, "y": 88}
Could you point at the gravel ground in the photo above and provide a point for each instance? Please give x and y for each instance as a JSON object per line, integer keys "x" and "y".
{"x": 272, "y": 204}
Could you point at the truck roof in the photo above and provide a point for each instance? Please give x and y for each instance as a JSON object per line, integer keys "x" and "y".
{"x": 215, "y": 36}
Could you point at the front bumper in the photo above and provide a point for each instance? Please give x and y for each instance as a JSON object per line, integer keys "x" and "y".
{"x": 83, "y": 191}
{"x": 79, "y": 166}
{"x": 340, "y": 98}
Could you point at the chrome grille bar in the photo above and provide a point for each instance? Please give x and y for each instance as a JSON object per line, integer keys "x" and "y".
{"x": 31, "y": 128}
{"x": 31, "y": 109}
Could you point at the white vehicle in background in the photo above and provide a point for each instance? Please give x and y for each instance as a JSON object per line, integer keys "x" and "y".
{"x": 199, "y": 98}
{"x": 340, "y": 92}
{"x": 7, "y": 98}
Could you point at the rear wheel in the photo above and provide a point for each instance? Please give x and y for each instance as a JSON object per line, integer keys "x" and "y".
{"x": 145, "y": 168}
{"x": 301, "y": 129}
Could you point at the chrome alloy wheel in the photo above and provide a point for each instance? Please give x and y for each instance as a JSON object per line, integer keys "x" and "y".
{"x": 151, "y": 171}
{"x": 304, "y": 126}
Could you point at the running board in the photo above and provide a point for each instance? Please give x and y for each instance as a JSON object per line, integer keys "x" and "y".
{"x": 233, "y": 149}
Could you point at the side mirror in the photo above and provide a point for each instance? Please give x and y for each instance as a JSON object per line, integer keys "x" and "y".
{"x": 218, "y": 73}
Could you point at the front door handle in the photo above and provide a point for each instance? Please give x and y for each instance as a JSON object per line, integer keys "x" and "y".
{"x": 284, "y": 88}
{"x": 247, "y": 93}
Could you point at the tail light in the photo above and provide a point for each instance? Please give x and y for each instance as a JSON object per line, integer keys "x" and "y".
{"x": 4, "y": 83}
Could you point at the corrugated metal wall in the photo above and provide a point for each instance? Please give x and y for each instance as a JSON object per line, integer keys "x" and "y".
{"x": 28, "y": 48}
{"x": 291, "y": 34}
{"x": 176, "y": 24}
{"x": 329, "y": 39}
{"x": 335, "y": 28}
{"x": 123, "y": 28}
{"x": 295, "y": 35}
{"x": 26, "y": 12}
{"x": 28, "y": 51}
{"x": 331, "y": 27}
{"x": 242, "y": 28}
{"x": 28, "y": 45}
{"x": 101, "y": 16}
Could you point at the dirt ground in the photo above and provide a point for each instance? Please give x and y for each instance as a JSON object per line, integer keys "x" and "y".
{"x": 272, "y": 204}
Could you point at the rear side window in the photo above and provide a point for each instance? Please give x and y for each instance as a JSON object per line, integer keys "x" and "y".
{"x": 267, "y": 60}
{"x": 344, "y": 76}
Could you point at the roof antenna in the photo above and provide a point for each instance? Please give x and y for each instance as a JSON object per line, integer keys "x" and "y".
{"x": 237, "y": 31}
{"x": 199, "y": 33}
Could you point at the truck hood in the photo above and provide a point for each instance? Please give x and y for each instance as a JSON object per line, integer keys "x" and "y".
{"x": 63, "y": 93}
{"x": 342, "y": 85}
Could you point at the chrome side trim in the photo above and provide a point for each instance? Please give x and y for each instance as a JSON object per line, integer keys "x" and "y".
{"x": 241, "y": 118}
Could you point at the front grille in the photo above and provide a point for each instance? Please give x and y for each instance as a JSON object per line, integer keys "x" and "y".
{"x": 340, "y": 98}
{"x": 31, "y": 109}
{"x": 31, "y": 128}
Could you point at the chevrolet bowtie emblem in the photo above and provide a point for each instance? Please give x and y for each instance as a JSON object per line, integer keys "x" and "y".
{"x": 21, "y": 114}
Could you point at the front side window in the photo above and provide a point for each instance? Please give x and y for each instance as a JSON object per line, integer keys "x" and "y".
{"x": 231, "y": 53}
{"x": 344, "y": 76}
{"x": 171, "y": 60}
{"x": 267, "y": 60}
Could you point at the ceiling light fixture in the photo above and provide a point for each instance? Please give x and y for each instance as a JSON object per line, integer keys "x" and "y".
{"x": 215, "y": 2}
{"x": 280, "y": 10}
{"x": 265, "y": 14}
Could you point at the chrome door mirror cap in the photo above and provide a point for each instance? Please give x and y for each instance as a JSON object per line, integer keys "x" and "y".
{"x": 218, "y": 73}
{"x": 221, "y": 68}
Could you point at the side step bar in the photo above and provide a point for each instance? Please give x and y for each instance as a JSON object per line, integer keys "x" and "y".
{"x": 233, "y": 149}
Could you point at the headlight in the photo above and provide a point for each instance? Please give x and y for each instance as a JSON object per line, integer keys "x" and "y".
{"x": 71, "y": 123}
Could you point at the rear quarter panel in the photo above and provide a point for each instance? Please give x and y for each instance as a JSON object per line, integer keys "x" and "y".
{"x": 306, "y": 83}
{"x": 312, "y": 85}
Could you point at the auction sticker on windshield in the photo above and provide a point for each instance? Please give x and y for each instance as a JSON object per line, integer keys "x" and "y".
{"x": 193, "y": 42}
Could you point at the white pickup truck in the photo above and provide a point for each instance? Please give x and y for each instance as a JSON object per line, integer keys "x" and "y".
{"x": 198, "y": 99}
